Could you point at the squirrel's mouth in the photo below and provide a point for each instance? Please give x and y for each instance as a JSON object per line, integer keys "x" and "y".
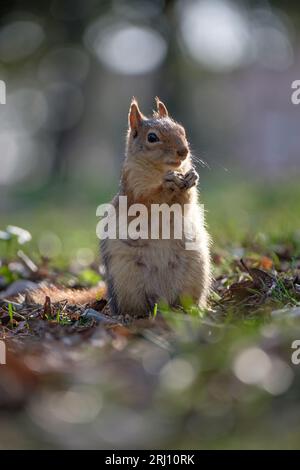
{"x": 174, "y": 163}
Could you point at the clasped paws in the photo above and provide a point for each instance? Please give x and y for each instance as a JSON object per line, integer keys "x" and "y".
{"x": 174, "y": 180}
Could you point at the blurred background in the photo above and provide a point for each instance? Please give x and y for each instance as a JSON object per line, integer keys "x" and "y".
{"x": 223, "y": 68}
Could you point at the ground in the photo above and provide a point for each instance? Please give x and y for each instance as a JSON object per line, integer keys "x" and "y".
{"x": 219, "y": 378}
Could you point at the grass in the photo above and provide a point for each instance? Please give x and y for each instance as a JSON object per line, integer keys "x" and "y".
{"x": 11, "y": 313}
{"x": 238, "y": 214}
{"x": 221, "y": 378}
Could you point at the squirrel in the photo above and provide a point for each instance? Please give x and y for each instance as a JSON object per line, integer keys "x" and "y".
{"x": 140, "y": 273}
{"x": 158, "y": 169}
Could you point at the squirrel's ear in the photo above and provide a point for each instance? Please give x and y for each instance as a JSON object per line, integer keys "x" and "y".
{"x": 161, "y": 108}
{"x": 135, "y": 117}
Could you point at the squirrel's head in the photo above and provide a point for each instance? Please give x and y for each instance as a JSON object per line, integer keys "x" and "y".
{"x": 158, "y": 140}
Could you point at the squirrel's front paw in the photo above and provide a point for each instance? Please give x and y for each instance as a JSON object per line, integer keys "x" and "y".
{"x": 174, "y": 180}
{"x": 191, "y": 178}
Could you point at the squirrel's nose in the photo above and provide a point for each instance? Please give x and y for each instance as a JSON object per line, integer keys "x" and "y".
{"x": 182, "y": 152}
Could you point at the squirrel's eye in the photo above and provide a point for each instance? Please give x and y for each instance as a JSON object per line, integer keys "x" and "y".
{"x": 152, "y": 137}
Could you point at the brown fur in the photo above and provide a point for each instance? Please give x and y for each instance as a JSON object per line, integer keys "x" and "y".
{"x": 141, "y": 272}
{"x": 73, "y": 296}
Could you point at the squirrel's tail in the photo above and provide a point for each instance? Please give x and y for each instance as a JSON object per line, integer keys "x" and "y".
{"x": 60, "y": 294}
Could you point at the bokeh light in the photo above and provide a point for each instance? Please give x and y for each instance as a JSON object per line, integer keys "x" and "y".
{"x": 19, "y": 39}
{"x": 215, "y": 33}
{"x": 127, "y": 49}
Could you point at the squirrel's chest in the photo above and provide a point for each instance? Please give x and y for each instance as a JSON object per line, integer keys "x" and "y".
{"x": 160, "y": 256}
